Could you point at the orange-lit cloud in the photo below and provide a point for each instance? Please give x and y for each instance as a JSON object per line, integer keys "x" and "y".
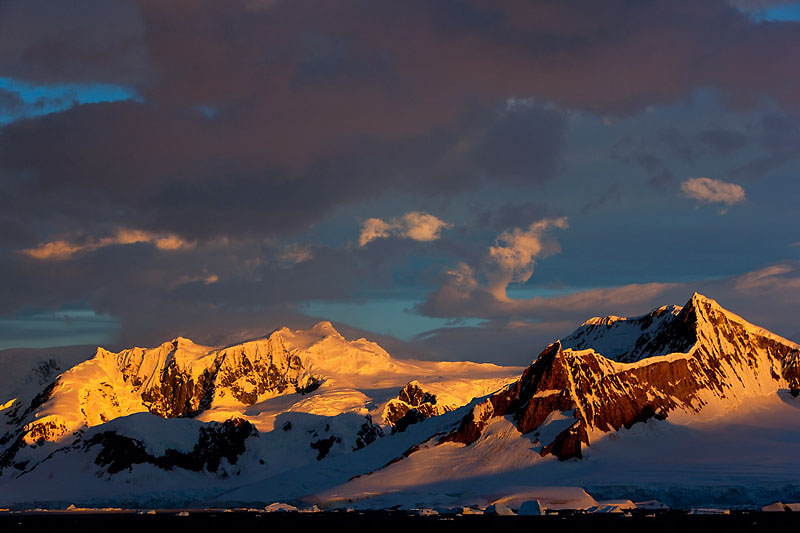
{"x": 774, "y": 278}
{"x": 512, "y": 258}
{"x": 414, "y": 225}
{"x": 63, "y": 249}
{"x": 713, "y": 192}
{"x": 293, "y": 254}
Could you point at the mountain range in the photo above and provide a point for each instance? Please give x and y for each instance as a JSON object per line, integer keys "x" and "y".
{"x": 688, "y": 405}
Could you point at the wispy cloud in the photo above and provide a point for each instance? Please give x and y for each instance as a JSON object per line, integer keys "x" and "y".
{"x": 778, "y": 278}
{"x": 414, "y": 225}
{"x": 63, "y": 249}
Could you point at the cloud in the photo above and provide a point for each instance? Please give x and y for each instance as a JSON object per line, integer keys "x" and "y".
{"x": 11, "y": 104}
{"x": 513, "y": 214}
{"x": 713, "y": 191}
{"x": 511, "y": 259}
{"x": 414, "y": 225}
{"x": 49, "y": 41}
{"x": 376, "y": 104}
{"x": 515, "y": 331}
{"x": 319, "y": 105}
{"x": 62, "y": 249}
{"x": 777, "y": 279}
{"x": 293, "y": 254}
{"x": 755, "y": 5}
{"x": 519, "y": 329}
{"x": 470, "y": 292}
{"x": 461, "y": 296}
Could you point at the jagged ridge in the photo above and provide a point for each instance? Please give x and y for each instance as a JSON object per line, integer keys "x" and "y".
{"x": 181, "y": 379}
{"x": 727, "y": 361}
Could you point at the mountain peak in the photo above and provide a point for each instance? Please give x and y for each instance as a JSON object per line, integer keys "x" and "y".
{"x": 698, "y": 298}
{"x": 325, "y": 327}
{"x": 602, "y": 320}
{"x": 182, "y": 342}
{"x": 680, "y": 362}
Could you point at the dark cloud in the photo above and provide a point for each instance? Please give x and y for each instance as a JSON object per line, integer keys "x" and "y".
{"x": 612, "y": 194}
{"x": 722, "y": 141}
{"x": 183, "y": 172}
{"x": 11, "y": 103}
{"x": 214, "y": 291}
{"x": 745, "y": 150}
{"x": 320, "y": 103}
{"x": 515, "y": 214}
{"x": 642, "y": 153}
{"x": 777, "y": 137}
{"x": 664, "y": 180}
{"x": 755, "y": 5}
{"x": 515, "y": 332}
{"x": 54, "y": 41}
{"x": 254, "y": 120}
{"x": 458, "y": 299}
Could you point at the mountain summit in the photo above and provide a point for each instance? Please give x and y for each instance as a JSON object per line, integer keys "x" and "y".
{"x": 341, "y": 384}
{"x": 614, "y": 372}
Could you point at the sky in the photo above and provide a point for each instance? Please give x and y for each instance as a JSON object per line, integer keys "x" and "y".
{"x": 455, "y": 179}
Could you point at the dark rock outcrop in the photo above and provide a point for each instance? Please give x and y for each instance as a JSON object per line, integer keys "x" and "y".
{"x": 412, "y": 405}
{"x": 179, "y": 392}
{"x": 323, "y": 446}
{"x": 791, "y": 372}
{"x": 367, "y": 434}
{"x": 215, "y": 443}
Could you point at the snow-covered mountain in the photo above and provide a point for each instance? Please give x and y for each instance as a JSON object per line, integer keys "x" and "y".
{"x": 682, "y": 403}
{"x": 699, "y": 360}
{"x": 290, "y": 398}
{"x": 688, "y": 404}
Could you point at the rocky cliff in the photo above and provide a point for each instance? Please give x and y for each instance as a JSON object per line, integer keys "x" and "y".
{"x": 695, "y": 359}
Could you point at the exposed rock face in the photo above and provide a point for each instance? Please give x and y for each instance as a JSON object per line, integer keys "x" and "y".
{"x": 791, "y": 372}
{"x": 367, "y": 434}
{"x": 323, "y": 446}
{"x": 174, "y": 381}
{"x": 577, "y": 393}
{"x": 216, "y": 442}
{"x": 182, "y": 379}
{"x": 412, "y": 405}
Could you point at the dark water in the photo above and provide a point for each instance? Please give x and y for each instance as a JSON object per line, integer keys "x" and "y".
{"x": 382, "y": 522}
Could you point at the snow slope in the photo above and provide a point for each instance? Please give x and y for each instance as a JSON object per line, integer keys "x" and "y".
{"x": 722, "y": 413}
{"x": 305, "y": 396}
{"x": 687, "y": 405}
{"x": 748, "y": 457}
{"x": 727, "y": 361}
{"x": 25, "y": 371}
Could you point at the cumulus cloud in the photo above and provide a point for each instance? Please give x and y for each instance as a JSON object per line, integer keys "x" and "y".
{"x": 63, "y": 249}
{"x": 713, "y": 191}
{"x": 512, "y": 258}
{"x": 415, "y": 225}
